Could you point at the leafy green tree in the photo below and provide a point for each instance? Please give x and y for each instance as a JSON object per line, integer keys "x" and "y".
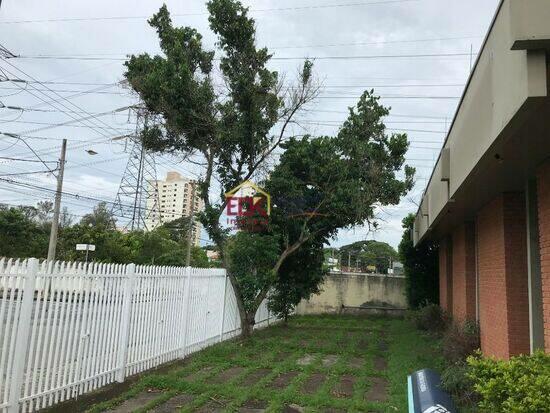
{"x": 320, "y": 185}
{"x": 230, "y": 129}
{"x": 369, "y": 253}
{"x": 44, "y": 211}
{"x": 20, "y": 235}
{"x": 421, "y": 267}
{"x": 111, "y": 245}
{"x": 101, "y": 217}
{"x": 178, "y": 229}
{"x": 24, "y": 232}
{"x": 251, "y": 262}
{"x": 299, "y": 277}
{"x": 327, "y": 183}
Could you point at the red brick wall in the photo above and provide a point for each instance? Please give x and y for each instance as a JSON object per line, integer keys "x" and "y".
{"x": 464, "y": 272}
{"x": 517, "y": 279}
{"x": 445, "y": 274}
{"x": 543, "y": 194}
{"x": 502, "y": 267}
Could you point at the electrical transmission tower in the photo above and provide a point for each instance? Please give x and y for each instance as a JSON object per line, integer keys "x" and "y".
{"x": 138, "y": 196}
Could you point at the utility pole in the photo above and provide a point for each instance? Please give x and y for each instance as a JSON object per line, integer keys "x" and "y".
{"x": 191, "y": 225}
{"x": 57, "y": 205}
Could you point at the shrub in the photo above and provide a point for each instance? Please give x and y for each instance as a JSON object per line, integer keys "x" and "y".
{"x": 521, "y": 385}
{"x": 421, "y": 266}
{"x": 456, "y": 381}
{"x": 430, "y": 317}
{"x": 460, "y": 341}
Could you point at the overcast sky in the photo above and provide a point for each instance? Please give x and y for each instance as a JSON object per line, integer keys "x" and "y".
{"x": 97, "y": 35}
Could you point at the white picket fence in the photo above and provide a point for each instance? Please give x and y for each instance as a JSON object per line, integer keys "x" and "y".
{"x": 71, "y": 328}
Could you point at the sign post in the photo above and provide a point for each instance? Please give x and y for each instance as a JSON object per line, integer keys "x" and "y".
{"x": 85, "y": 247}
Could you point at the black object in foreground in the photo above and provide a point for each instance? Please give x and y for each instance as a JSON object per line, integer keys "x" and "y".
{"x": 425, "y": 394}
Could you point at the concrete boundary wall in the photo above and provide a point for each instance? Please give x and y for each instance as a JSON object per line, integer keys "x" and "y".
{"x": 357, "y": 293}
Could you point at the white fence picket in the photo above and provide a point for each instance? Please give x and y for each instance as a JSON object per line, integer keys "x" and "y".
{"x": 69, "y": 328}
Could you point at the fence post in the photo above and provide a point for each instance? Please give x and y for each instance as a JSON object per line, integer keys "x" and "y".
{"x": 122, "y": 353}
{"x": 186, "y": 308}
{"x": 23, "y": 333}
{"x": 223, "y": 306}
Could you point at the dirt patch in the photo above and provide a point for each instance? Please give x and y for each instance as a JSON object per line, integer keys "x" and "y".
{"x": 364, "y": 343}
{"x": 306, "y": 360}
{"x": 305, "y": 342}
{"x": 330, "y": 360}
{"x": 212, "y": 406}
{"x": 227, "y": 375}
{"x": 282, "y": 356}
{"x": 204, "y": 372}
{"x": 174, "y": 404}
{"x": 344, "y": 388}
{"x": 383, "y": 345}
{"x": 313, "y": 383}
{"x": 137, "y": 402}
{"x": 356, "y": 362}
{"x": 283, "y": 380}
{"x": 378, "y": 391}
{"x": 253, "y": 406}
{"x": 255, "y": 376}
{"x": 293, "y": 408}
{"x": 352, "y": 335}
{"x": 380, "y": 363}
{"x": 322, "y": 343}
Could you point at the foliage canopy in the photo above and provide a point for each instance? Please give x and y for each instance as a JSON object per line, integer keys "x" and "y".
{"x": 319, "y": 185}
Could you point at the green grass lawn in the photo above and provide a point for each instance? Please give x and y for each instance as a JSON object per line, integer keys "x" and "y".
{"x": 314, "y": 364}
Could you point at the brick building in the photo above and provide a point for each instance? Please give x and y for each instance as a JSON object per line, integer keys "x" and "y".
{"x": 488, "y": 198}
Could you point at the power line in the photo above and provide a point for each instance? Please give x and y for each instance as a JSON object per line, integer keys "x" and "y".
{"x": 391, "y": 86}
{"x": 51, "y": 101}
{"x": 336, "y": 123}
{"x": 391, "y": 97}
{"x": 296, "y": 8}
{"x": 69, "y": 91}
{"x": 28, "y": 173}
{"x": 89, "y": 119}
{"x": 390, "y": 115}
{"x": 68, "y": 124}
{"x": 375, "y": 43}
{"x": 275, "y": 58}
{"x": 52, "y": 82}
{"x": 34, "y": 152}
{"x": 23, "y": 159}
{"x": 75, "y": 195}
{"x": 78, "y": 120}
{"x": 328, "y": 86}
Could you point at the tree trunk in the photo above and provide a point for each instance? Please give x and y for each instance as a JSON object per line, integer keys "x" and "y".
{"x": 247, "y": 324}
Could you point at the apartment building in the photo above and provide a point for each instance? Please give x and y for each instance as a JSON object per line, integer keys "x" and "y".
{"x": 176, "y": 200}
{"x": 488, "y": 198}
